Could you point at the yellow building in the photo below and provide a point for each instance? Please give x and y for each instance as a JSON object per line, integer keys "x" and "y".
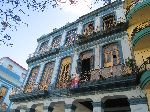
{"x": 138, "y": 17}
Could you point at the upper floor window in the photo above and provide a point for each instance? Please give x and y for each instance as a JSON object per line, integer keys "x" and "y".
{"x": 43, "y": 47}
{"x": 56, "y": 41}
{"x": 10, "y": 67}
{"x": 47, "y": 74}
{"x": 70, "y": 37}
{"x": 32, "y": 79}
{"x": 111, "y": 55}
{"x": 85, "y": 64}
{"x": 3, "y": 91}
{"x": 64, "y": 74}
{"x": 108, "y": 21}
{"x": 88, "y": 28}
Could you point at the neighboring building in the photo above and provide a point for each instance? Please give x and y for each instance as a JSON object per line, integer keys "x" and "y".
{"x": 138, "y": 17}
{"x": 84, "y": 66}
{"x": 11, "y": 75}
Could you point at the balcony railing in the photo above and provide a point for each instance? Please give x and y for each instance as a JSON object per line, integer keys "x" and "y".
{"x": 37, "y": 56}
{"x": 140, "y": 27}
{"x": 117, "y": 27}
{"x": 101, "y": 79}
{"x": 134, "y": 2}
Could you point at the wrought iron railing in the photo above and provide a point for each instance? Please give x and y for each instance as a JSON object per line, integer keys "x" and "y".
{"x": 132, "y": 4}
{"x": 140, "y": 27}
{"x": 117, "y": 27}
{"x": 104, "y": 78}
{"x": 145, "y": 65}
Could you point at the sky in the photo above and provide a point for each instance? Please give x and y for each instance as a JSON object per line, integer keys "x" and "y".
{"x": 40, "y": 23}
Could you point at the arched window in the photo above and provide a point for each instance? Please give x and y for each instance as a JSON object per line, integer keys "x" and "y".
{"x": 46, "y": 77}
{"x": 70, "y": 37}
{"x": 88, "y": 28}
{"x": 64, "y": 74}
{"x": 43, "y": 47}
{"x": 108, "y": 21}
{"x": 32, "y": 79}
{"x": 111, "y": 55}
{"x": 3, "y": 91}
{"x": 56, "y": 42}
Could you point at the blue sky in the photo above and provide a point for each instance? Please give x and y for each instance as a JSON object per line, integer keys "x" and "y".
{"x": 40, "y": 23}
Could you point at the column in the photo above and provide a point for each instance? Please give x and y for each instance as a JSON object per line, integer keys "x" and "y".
{"x": 74, "y": 63}
{"x": 63, "y": 38}
{"x": 97, "y": 107}
{"x": 40, "y": 73}
{"x": 70, "y": 108}
{"x": 97, "y": 57}
{"x": 138, "y": 105}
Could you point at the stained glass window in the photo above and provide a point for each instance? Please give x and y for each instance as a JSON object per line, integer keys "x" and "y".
{"x": 47, "y": 74}
{"x": 70, "y": 37}
{"x": 3, "y": 91}
{"x": 43, "y": 47}
{"x": 111, "y": 55}
{"x": 88, "y": 28}
{"x": 64, "y": 74}
{"x": 56, "y": 42}
{"x": 32, "y": 79}
{"x": 108, "y": 21}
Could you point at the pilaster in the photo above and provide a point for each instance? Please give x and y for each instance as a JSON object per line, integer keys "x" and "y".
{"x": 79, "y": 30}
{"x": 97, "y": 23}
{"x": 40, "y": 73}
{"x": 63, "y": 38}
{"x": 97, "y": 57}
{"x": 55, "y": 71}
{"x": 74, "y": 63}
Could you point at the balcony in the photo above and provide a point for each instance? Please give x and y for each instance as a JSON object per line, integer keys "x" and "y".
{"x": 103, "y": 79}
{"x": 144, "y": 70}
{"x": 37, "y": 56}
{"x": 137, "y": 11}
{"x": 118, "y": 27}
{"x": 141, "y": 31}
{"x": 19, "y": 94}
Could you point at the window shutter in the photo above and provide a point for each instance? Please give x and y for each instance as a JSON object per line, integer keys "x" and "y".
{"x": 79, "y": 66}
{"x": 92, "y": 62}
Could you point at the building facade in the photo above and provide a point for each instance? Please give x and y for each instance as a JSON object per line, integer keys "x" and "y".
{"x": 11, "y": 75}
{"x": 84, "y": 66}
{"x": 138, "y": 17}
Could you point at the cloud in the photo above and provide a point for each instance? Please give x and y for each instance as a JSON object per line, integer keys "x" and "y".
{"x": 80, "y": 8}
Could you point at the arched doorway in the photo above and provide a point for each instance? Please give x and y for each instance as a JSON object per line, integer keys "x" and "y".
{"x": 116, "y": 104}
{"x": 83, "y": 105}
